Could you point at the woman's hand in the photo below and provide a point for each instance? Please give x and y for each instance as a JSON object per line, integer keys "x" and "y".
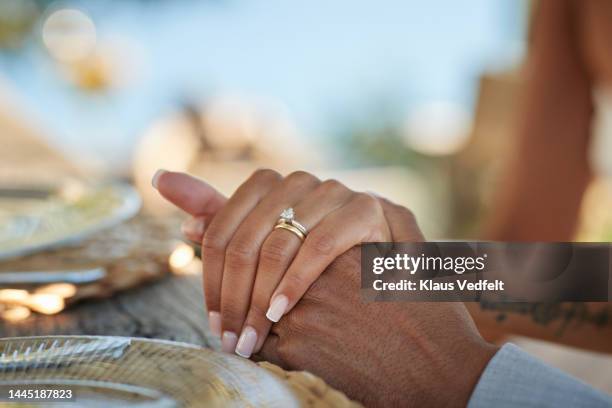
{"x": 254, "y": 274}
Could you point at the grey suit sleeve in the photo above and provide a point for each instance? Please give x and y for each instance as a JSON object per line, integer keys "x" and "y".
{"x": 513, "y": 378}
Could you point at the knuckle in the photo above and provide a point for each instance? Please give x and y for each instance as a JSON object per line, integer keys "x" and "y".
{"x": 258, "y": 309}
{"x": 242, "y": 248}
{"x": 297, "y": 322}
{"x": 273, "y": 251}
{"x": 368, "y": 201}
{"x": 371, "y": 206}
{"x": 319, "y": 292}
{"x": 285, "y": 350}
{"x": 398, "y": 209}
{"x": 322, "y": 243}
{"x": 264, "y": 175}
{"x": 387, "y": 203}
{"x": 213, "y": 242}
{"x": 295, "y": 282}
{"x": 405, "y": 212}
{"x": 299, "y": 178}
{"x": 235, "y": 263}
{"x": 231, "y": 315}
{"x": 333, "y": 185}
{"x": 346, "y": 268}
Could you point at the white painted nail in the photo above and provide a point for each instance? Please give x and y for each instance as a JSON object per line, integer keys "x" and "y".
{"x": 156, "y": 177}
{"x": 277, "y": 308}
{"x": 247, "y": 342}
{"x": 228, "y": 342}
{"x": 214, "y": 322}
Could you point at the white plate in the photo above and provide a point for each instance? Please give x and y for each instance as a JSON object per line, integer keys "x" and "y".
{"x": 64, "y": 218}
{"x": 128, "y": 372}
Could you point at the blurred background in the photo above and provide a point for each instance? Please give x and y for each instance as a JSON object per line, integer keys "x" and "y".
{"x": 379, "y": 94}
{"x": 414, "y": 100}
{"x": 421, "y": 95}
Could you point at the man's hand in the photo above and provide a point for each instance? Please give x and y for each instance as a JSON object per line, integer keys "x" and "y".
{"x": 381, "y": 354}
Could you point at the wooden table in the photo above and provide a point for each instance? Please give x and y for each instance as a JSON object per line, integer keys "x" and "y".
{"x": 172, "y": 309}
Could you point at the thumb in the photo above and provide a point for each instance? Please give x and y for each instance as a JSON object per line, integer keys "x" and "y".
{"x": 188, "y": 193}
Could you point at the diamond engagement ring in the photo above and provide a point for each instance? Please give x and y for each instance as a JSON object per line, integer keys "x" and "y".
{"x": 288, "y": 222}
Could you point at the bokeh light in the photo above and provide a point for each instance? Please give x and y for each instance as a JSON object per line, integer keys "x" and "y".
{"x": 46, "y": 303}
{"x": 183, "y": 260}
{"x": 13, "y": 295}
{"x": 437, "y": 128}
{"x": 64, "y": 290}
{"x": 69, "y": 35}
{"x": 15, "y": 314}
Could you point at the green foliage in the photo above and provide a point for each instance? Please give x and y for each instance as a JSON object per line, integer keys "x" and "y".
{"x": 369, "y": 143}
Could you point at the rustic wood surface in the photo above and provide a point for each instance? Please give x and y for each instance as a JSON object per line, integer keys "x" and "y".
{"x": 172, "y": 309}
{"x": 132, "y": 253}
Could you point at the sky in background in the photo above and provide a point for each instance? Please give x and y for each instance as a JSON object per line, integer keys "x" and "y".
{"x": 316, "y": 59}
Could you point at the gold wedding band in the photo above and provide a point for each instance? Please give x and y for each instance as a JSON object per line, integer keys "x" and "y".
{"x": 288, "y": 222}
{"x": 291, "y": 228}
{"x": 299, "y": 226}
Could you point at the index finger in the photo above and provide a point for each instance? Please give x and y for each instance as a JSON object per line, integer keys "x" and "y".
{"x": 190, "y": 194}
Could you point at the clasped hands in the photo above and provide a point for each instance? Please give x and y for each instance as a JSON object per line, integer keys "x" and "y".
{"x": 298, "y": 303}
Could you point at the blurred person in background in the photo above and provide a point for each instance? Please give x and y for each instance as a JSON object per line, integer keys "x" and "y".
{"x": 540, "y": 194}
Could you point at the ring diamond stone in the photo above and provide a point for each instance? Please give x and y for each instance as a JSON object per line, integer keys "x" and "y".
{"x": 288, "y": 215}
{"x": 287, "y": 221}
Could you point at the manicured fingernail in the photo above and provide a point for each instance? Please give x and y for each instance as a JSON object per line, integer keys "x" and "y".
{"x": 193, "y": 227}
{"x": 277, "y": 308}
{"x": 214, "y": 322}
{"x": 228, "y": 342}
{"x": 247, "y": 342}
{"x": 156, "y": 177}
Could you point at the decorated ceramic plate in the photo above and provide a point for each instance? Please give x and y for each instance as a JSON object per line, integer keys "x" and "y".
{"x": 64, "y": 216}
{"x": 126, "y": 372}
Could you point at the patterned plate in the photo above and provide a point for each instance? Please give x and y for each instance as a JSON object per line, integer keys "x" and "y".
{"x": 72, "y": 214}
{"x": 128, "y": 372}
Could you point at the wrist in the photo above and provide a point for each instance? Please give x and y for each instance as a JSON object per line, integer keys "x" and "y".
{"x": 445, "y": 373}
{"x": 450, "y": 373}
{"x": 464, "y": 371}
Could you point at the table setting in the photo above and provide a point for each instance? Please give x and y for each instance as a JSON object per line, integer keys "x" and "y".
{"x": 96, "y": 324}
{"x": 101, "y": 298}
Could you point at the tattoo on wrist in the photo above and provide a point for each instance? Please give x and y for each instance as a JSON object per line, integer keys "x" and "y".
{"x": 564, "y": 314}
